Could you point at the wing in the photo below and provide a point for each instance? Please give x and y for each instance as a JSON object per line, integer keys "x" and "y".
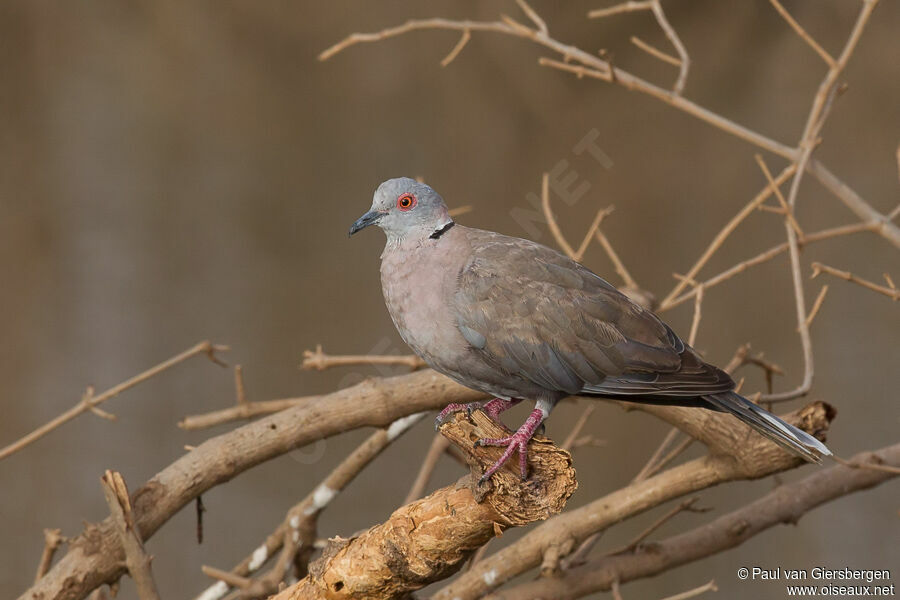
{"x": 533, "y": 313}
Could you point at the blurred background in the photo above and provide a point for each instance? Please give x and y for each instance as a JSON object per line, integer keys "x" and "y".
{"x": 178, "y": 171}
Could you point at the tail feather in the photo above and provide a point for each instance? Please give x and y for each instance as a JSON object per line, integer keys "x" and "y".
{"x": 785, "y": 435}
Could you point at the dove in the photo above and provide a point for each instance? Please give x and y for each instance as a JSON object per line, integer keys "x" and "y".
{"x": 520, "y": 321}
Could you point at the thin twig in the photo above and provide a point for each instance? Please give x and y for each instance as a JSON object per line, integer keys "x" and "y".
{"x": 241, "y": 411}
{"x": 685, "y": 61}
{"x": 686, "y": 505}
{"x": 438, "y": 447}
{"x": 594, "y": 228}
{"x": 598, "y": 67}
{"x": 53, "y": 539}
{"x": 645, "y": 470}
{"x": 868, "y": 465}
{"x": 579, "y": 71}
{"x": 224, "y": 576}
{"x": 786, "y": 210}
{"x": 616, "y": 590}
{"x": 672, "y": 455}
{"x": 816, "y": 305}
{"x": 551, "y": 220}
{"x": 616, "y": 261}
{"x": 723, "y": 234}
{"x": 769, "y": 254}
{"x": 891, "y": 292}
{"x": 535, "y": 18}
{"x": 802, "y": 33}
{"x": 569, "y": 442}
{"x": 630, "y": 6}
{"x": 318, "y": 360}
{"x": 136, "y": 557}
{"x": 239, "y": 389}
{"x": 89, "y": 401}
{"x": 695, "y": 323}
{"x": 655, "y": 52}
{"x": 463, "y": 40}
{"x": 460, "y": 210}
{"x": 706, "y": 587}
{"x": 296, "y": 535}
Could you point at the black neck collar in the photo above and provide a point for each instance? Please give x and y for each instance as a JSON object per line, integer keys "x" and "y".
{"x": 439, "y": 232}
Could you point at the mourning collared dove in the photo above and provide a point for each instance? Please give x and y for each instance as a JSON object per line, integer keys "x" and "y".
{"x": 520, "y": 321}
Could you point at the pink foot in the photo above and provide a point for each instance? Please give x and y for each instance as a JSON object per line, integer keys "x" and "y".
{"x": 517, "y": 441}
{"x": 493, "y": 408}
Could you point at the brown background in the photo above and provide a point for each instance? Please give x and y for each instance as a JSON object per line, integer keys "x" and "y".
{"x": 174, "y": 171}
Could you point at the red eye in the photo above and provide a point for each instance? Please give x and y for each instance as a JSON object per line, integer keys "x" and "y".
{"x": 406, "y": 202}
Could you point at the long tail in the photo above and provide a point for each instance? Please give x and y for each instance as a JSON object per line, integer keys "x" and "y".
{"x": 785, "y": 435}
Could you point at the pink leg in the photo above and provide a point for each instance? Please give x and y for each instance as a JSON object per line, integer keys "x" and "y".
{"x": 497, "y": 406}
{"x": 517, "y": 441}
{"x": 493, "y": 408}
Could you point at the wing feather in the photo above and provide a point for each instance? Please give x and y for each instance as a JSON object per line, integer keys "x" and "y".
{"x": 533, "y": 313}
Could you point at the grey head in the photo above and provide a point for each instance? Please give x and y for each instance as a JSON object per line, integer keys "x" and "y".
{"x": 407, "y": 211}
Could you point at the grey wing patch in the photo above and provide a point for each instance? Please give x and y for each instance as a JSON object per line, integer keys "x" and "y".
{"x": 534, "y": 314}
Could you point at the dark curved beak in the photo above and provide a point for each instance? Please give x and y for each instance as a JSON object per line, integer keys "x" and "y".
{"x": 370, "y": 218}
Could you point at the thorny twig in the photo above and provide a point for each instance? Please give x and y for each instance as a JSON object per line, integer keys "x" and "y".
{"x": 136, "y": 558}
{"x": 889, "y": 290}
{"x": 296, "y": 535}
{"x": 684, "y": 506}
{"x": 90, "y": 402}
{"x": 318, "y": 360}
{"x": 601, "y": 68}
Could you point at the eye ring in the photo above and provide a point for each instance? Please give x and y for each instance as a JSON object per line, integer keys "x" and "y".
{"x": 406, "y": 202}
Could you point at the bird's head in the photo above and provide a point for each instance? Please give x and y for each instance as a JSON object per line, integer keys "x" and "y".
{"x": 406, "y": 210}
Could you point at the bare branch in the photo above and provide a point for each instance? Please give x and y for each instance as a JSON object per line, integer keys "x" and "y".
{"x": 438, "y": 447}
{"x": 318, "y": 360}
{"x": 655, "y": 52}
{"x": 685, "y": 61}
{"x": 551, "y": 220}
{"x": 890, "y": 291}
{"x": 463, "y": 40}
{"x": 630, "y": 6}
{"x": 593, "y": 229}
{"x": 771, "y": 253}
{"x": 802, "y": 33}
{"x": 627, "y": 279}
{"x": 756, "y": 457}
{"x": 89, "y": 402}
{"x": 241, "y": 411}
{"x": 535, "y": 18}
{"x": 53, "y": 539}
{"x": 706, "y": 587}
{"x": 296, "y": 535}
{"x": 785, "y": 504}
{"x": 597, "y": 67}
{"x": 686, "y": 505}
{"x": 816, "y": 305}
{"x": 372, "y": 403}
{"x": 434, "y": 536}
{"x": 136, "y": 557}
{"x": 723, "y": 234}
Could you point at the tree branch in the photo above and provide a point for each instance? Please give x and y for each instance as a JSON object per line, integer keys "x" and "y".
{"x": 786, "y": 504}
{"x": 736, "y": 452}
{"x": 95, "y": 557}
{"x": 430, "y": 539}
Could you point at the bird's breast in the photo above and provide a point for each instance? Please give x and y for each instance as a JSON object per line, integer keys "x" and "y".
{"x": 418, "y": 284}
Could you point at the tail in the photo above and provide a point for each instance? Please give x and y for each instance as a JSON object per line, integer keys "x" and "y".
{"x": 785, "y": 435}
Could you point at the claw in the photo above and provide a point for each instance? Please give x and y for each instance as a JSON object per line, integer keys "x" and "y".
{"x": 517, "y": 441}
{"x": 492, "y": 408}
{"x": 451, "y": 409}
